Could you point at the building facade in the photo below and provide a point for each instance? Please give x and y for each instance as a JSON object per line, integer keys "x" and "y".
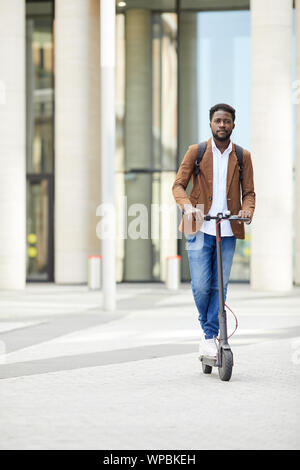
{"x": 174, "y": 60}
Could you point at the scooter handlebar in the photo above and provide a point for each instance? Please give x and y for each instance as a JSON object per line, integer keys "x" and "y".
{"x": 227, "y": 217}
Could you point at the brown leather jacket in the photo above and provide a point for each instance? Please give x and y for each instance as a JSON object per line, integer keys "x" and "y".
{"x": 202, "y": 189}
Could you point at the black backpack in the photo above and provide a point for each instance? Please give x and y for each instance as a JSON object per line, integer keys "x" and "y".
{"x": 201, "y": 151}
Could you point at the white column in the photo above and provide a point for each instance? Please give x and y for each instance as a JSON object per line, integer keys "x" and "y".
{"x": 12, "y": 145}
{"x": 271, "y": 144}
{"x": 77, "y": 140}
{"x": 297, "y": 147}
{"x": 107, "y": 133}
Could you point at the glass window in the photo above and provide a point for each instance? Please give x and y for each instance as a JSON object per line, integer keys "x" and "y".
{"x": 40, "y": 95}
{"x": 215, "y": 61}
{"x": 146, "y": 139}
{"x": 147, "y": 225}
{"x": 158, "y": 5}
{"x": 164, "y": 91}
{"x": 224, "y": 72}
{"x": 224, "y": 75}
{"x": 214, "y": 4}
{"x": 209, "y": 52}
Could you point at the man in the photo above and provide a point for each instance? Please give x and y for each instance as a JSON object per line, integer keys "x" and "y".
{"x": 216, "y": 188}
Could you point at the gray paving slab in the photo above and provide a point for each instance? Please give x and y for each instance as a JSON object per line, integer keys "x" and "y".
{"x": 132, "y": 380}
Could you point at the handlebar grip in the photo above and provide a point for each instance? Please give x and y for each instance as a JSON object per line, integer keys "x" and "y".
{"x": 241, "y": 219}
{"x": 232, "y": 217}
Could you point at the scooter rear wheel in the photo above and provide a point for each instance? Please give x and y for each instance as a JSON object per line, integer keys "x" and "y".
{"x": 225, "y": 371}
{"x": 206, "y": 369}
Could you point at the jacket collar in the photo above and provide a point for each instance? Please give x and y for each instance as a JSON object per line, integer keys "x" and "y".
{"x": 232, "y": 164}
{"x": 214, "y": 147}
{"x": 207, "y": 165}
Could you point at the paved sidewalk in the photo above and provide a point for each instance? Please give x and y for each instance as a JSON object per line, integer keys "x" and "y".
{"x": 75, "y": 377}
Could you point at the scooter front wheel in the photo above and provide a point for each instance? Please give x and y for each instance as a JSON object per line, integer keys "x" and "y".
{"x": 225, "y": 371}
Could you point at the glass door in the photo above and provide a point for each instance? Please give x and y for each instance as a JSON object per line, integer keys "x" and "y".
{"x": 39, "y": 228}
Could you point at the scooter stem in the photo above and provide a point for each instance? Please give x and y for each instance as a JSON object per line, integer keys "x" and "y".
{"x": 222, "y": 311}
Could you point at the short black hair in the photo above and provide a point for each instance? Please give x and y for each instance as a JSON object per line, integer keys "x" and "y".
{"x": 223, "y": 107}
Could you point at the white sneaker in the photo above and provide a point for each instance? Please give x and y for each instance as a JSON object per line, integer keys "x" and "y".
{"x": 210, "y": 347}
{"x": 202, "y": 349}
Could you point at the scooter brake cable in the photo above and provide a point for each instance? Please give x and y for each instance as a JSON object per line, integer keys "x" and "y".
{"x": 236, "y": 324}
{"x": 236, "y": 321}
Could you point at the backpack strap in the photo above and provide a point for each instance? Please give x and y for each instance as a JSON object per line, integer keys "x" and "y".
{"x": 239, "y": 154}
{"x": 201, "y": 152}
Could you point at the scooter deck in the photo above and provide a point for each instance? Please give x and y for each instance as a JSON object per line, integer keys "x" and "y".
{"x": 208, "y": 360}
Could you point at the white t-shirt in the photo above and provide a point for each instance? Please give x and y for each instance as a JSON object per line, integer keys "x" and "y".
{"x": 219, "y": 202}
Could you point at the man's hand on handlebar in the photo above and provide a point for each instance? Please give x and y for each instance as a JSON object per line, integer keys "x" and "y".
{"x": 193, "y": 212}
{"x": 245, "y": 214}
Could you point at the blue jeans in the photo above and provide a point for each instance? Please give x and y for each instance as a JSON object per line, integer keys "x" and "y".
{"x": 202, "y": 254}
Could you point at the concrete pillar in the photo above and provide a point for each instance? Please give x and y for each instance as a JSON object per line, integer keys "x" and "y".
{"x": 188, "y": 98}
{"x": 12, "y": 145}
{"x": 297, "y": 147}
{"x": 271, "y": 144}
{"x": 77, "y": 141}
{"x": 188, "y": 93}
{"x": 138, "y": 253}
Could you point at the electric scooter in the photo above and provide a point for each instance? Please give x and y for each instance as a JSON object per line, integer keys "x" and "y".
{"x": 224, "y": 357}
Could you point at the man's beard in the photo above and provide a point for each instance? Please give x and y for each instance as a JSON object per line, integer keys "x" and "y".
{"x": 223, "y": 137}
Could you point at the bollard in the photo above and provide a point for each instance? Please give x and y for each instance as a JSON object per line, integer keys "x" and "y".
{"x": 94, "y": 272}
{"x": 173, "y": 272}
